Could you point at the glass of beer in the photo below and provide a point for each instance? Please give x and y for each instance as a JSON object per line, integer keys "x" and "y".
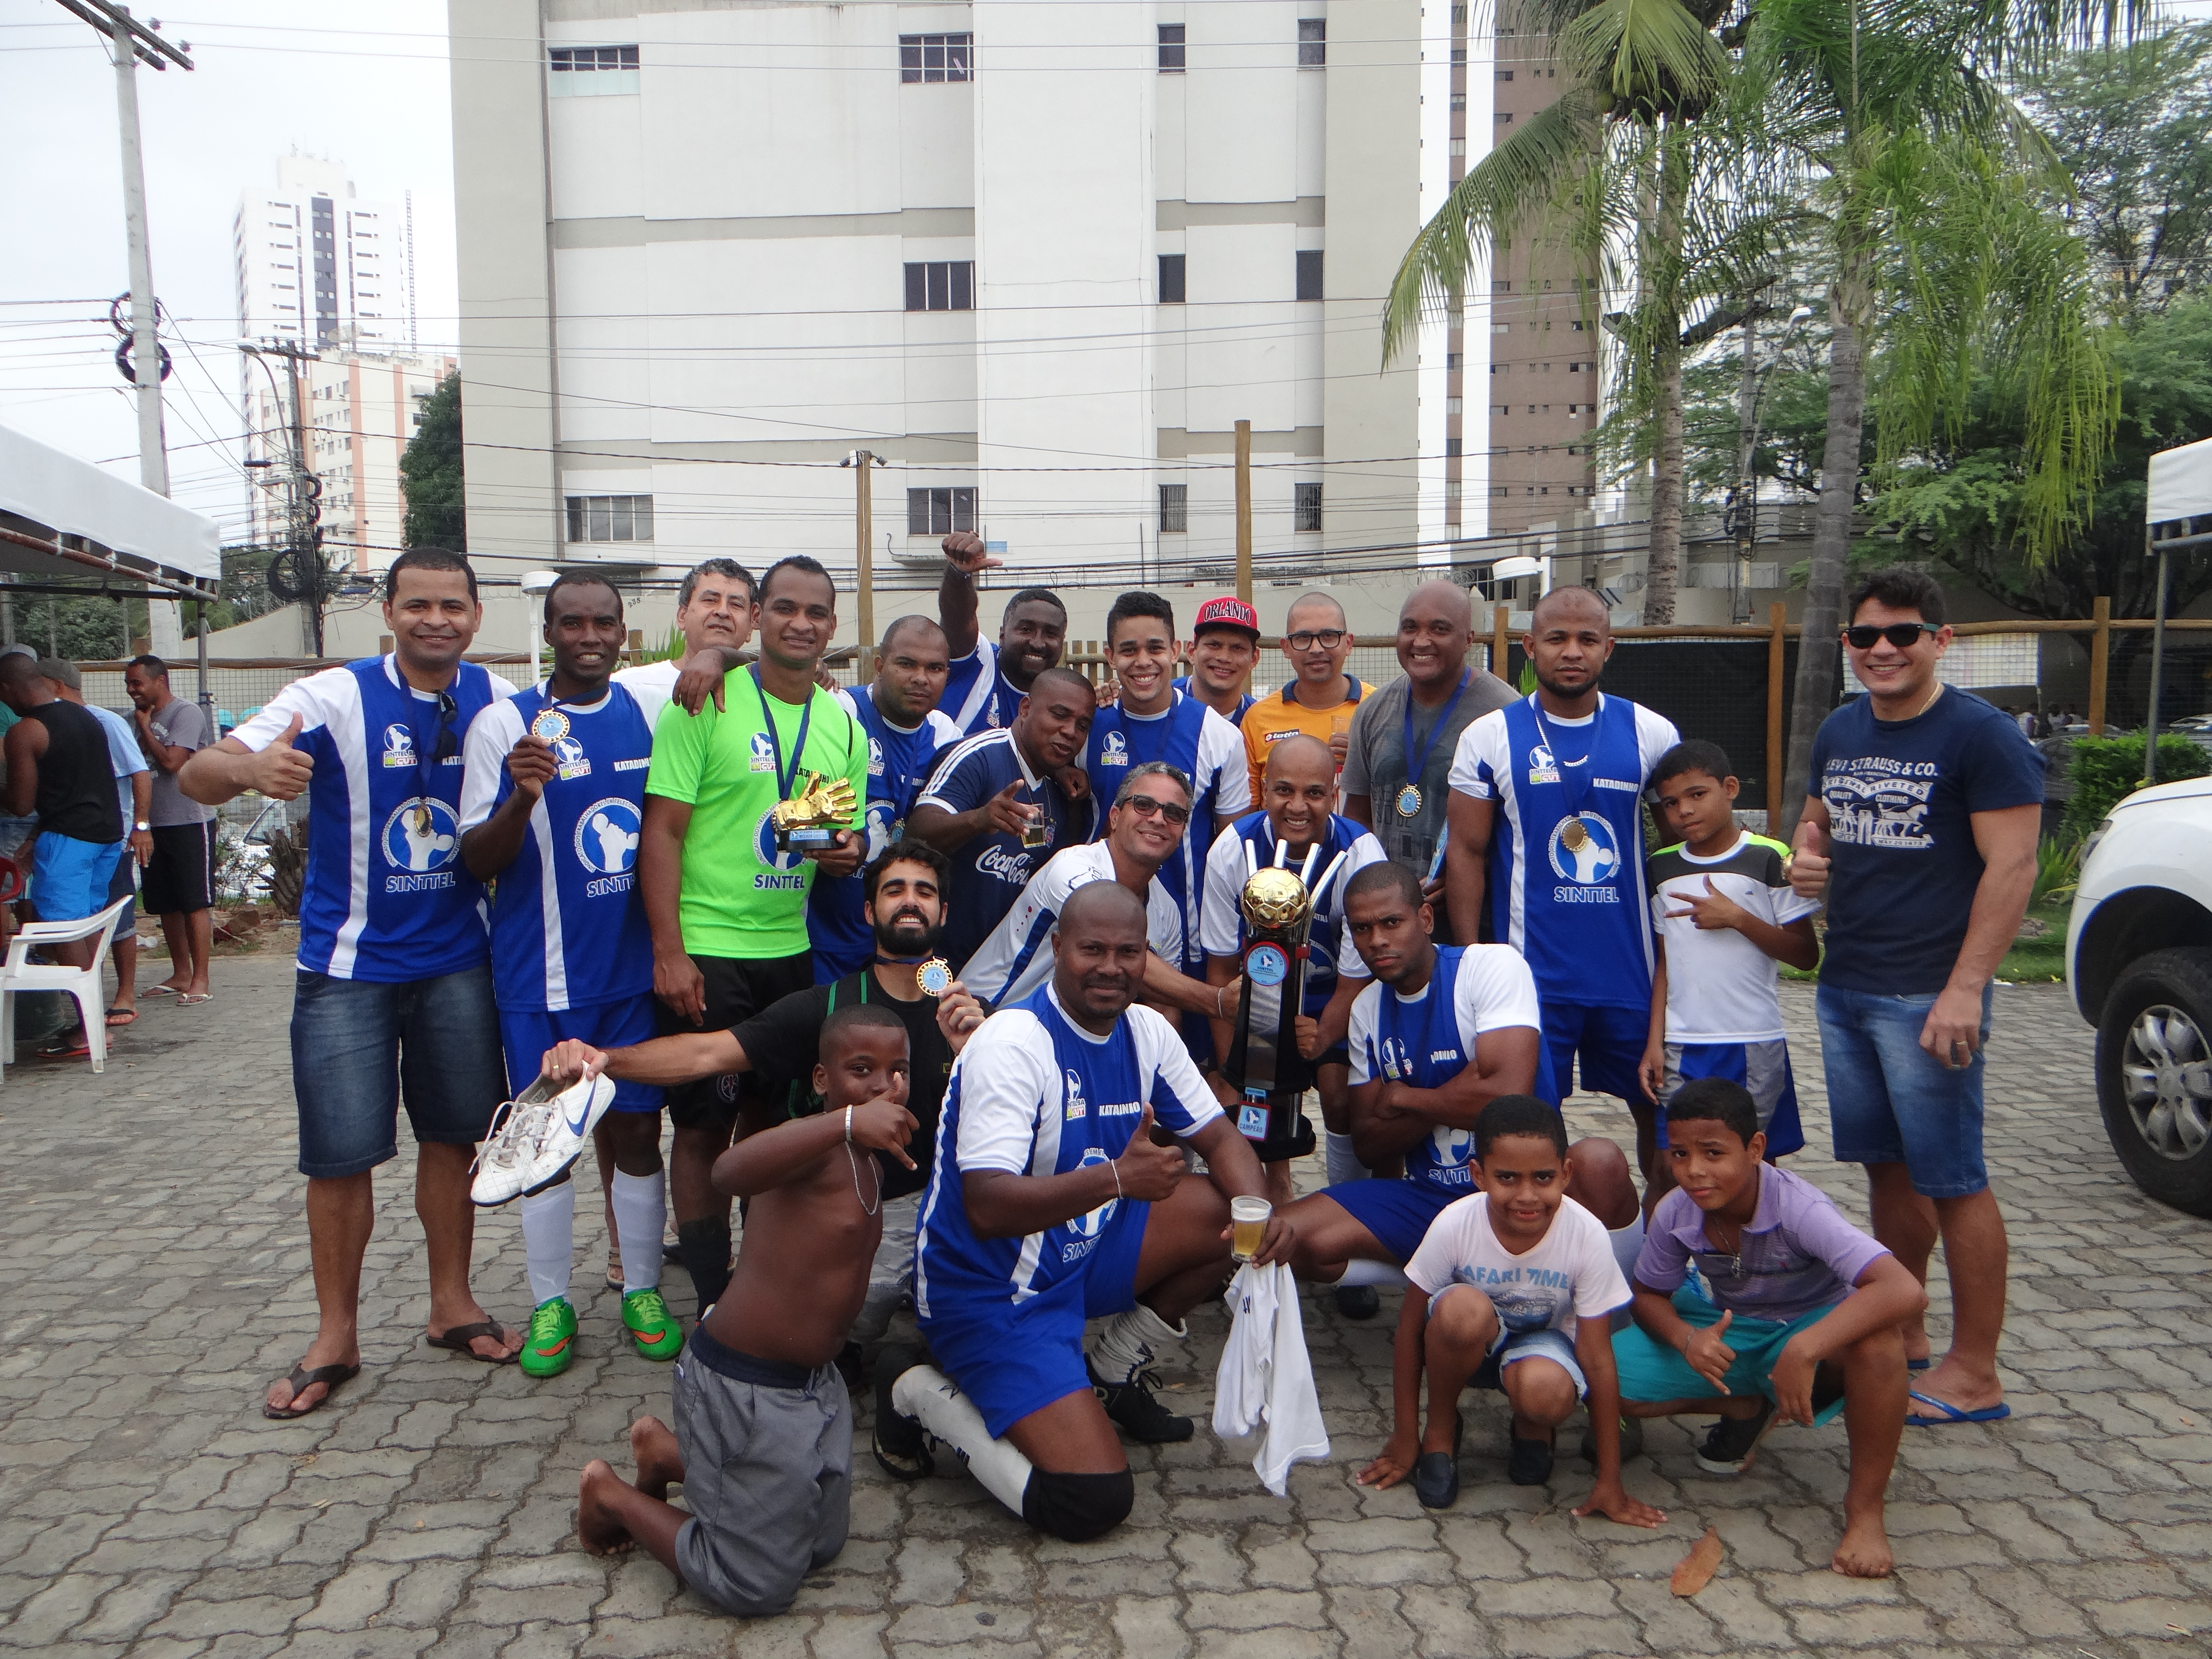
{"x": 1247, "y": 1222}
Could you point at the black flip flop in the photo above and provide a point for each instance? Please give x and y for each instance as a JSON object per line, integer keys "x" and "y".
{"x": 456, "y": 1340}
{"x": 302, "y": 1379}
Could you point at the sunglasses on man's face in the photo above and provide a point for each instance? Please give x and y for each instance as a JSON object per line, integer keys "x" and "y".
{"x": 1862, "y": 637}
{"x": 1144, "y": 806}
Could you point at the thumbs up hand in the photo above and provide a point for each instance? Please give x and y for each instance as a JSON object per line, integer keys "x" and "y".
{"x": 1709, "y": 1355}
{"x": 279, "y": 771}
{"x": 1149, "y": 1171}
{"x": 1808, "y": 862}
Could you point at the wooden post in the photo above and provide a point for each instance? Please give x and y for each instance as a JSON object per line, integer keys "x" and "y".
{"x": 2101, "y": 646}
{"x": 1244, "y": 511}
{"x": 1500, "y": 640}
{"x": 1775, "y": 675}
{"x": 864, "y": 513}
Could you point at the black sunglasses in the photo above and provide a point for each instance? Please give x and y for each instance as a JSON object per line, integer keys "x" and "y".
{"x": 1144, "y": 806}
{"x": 1861, "y": 637}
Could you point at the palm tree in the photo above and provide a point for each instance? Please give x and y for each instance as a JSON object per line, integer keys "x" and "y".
{"x": 1942, "y": 251}
{"x": 1609, "y": 165}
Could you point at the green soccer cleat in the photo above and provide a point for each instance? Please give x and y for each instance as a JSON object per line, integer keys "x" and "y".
{"x": 651, "y": 1327}
{"x": 551, "y": 1343}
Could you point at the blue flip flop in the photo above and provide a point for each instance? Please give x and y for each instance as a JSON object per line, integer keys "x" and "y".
{"x": 1921, "y": 1363}
{"x": 1996, "y": 1413}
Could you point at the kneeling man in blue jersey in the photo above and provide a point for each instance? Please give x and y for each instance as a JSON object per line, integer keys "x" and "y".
{"x": 1053, "y": 1203}
{"x": 551, "y": 799}
{"x": 1439, "y": 1032}
{"x": 1546, "y": 821}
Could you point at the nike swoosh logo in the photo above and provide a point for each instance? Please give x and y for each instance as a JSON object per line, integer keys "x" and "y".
{"x": 556, "y": 1347}
{"x": 577, "y": 1127}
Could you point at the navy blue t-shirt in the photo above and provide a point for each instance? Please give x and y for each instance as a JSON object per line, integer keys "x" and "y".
{"x": 1901, "y": 795}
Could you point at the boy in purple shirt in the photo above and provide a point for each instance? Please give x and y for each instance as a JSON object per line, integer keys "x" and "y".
{"x": 1793, "y": 1312}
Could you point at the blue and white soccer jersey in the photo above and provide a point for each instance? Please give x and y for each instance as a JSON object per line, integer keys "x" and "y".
{"x": 1016, "y": 958}
{"x": 1034, "y": 1094}
{"x": 990, "y": 870}
{"x": 899, "y": 759}
{"x": 571, "y": 954}
{"x": 1211, "y": 752}
{"x": 1425, "y": 1041}
{"x": 978, "y": 696}
{"x": 387, "y": 897}
{"x": 1244, "y": 702}
{"x": 1329, "y": 951}
{"x": 1577, "y": 913}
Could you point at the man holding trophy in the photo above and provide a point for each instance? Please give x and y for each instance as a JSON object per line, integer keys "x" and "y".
{"x": 743, "y": 802}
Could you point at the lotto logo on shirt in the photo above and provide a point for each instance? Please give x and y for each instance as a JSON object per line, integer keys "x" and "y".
{"x": 1115, "y": 751}
{"x": 420, "y": 851}
{"x": 398, "y": 746}
{"x": 782, "y": 874}
{"x": 764, "y": 753}
{"x": 606, "y": 845}
{"x": 1590, "y": 866}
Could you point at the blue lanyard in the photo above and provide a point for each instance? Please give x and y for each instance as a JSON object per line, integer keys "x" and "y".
{"x": 1417, "y": 765}
{"x": 784, "y": 778}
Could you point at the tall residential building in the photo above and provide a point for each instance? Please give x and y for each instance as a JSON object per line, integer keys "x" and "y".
{"x": 316, "y": 267}
{"x": 1043, "y": 254}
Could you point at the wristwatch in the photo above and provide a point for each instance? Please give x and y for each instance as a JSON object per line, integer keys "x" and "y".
{"x": 142, "y": 824}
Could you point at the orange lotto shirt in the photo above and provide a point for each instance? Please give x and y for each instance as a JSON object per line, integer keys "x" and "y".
{"x": 1280, "y": 715}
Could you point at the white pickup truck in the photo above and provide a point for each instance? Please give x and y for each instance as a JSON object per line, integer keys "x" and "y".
{"x": 2139, "y": 963}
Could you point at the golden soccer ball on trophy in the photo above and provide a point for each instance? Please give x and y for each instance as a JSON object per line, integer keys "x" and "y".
{"x": 1274, "y": 901}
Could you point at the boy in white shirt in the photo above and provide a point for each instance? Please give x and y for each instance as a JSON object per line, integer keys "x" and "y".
{"x": 1726, "y": 919}
{"x": 1511, "y": 1291}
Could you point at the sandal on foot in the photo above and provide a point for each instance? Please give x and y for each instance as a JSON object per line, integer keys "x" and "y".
{"x": 118, "y": 1018}
{"x": 456, "y": 1340}
{"x": 1952, "y": 1413}
{"x": 302, "y": 1379}
{"x": 161, "y": 991}
{"x": 193, "y": 998}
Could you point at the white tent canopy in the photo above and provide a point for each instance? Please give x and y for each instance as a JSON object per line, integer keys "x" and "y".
{"x": 113, "y": 526}
{"x": 2180, "y": 484}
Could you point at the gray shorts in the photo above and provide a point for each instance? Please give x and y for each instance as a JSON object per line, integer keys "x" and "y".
{"x": 767, "y": 1474}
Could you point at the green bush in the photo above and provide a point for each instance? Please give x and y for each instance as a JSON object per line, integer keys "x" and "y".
{"x": 2104, "y": 769}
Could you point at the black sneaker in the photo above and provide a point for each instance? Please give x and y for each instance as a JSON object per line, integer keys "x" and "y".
{"x": 1531, "y": 1464}
{"x": 1728, "y": 1445}
{"x": 1142, "y": 1417}
{"x": 900, "y": 1443}
{"x": 1436, "y": 1479}
{"x": 1357, "y": 1301}
{"x": 1631, "y": 1440}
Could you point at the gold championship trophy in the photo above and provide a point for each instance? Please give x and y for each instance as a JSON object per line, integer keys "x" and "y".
{"x": 1263, "y": 1060}
{"x": 817, "y": 812}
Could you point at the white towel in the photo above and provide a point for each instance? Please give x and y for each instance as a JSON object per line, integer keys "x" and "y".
{"x": 1265, "y": 1378}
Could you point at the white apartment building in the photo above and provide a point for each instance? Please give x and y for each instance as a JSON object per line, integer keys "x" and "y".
{"x": 1042, "y": 254}
{"x": 319, "y": 268}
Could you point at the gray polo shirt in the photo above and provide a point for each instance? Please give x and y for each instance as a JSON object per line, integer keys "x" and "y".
{"x": 179, "y": 724}
{"x": 1374, "y": 765}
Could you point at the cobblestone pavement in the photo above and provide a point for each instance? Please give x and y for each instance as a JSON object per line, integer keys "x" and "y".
{"x": 159, "y": 1279}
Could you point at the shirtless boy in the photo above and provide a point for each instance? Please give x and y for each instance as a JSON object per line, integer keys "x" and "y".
{"x": 766, "y": 1431}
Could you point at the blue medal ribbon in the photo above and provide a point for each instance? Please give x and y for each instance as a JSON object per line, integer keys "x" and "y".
{"x": 1417, "y": 766}
{"x": 784, "y": 778}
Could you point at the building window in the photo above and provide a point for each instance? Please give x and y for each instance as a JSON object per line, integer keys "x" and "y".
{"x": 1309, "y": 280}
{"x": 937, "y": 57}
{"x": 1501, "y": 288}
{"x": 610, "y": 518}
{"x": 1577, "y": 369}
{"x": 939, "y": 511}
{"x": 941, "y": 285}
{"x": 1170, "y": 48}
{"x": 1313, "y": 42}
{"x": 1459, "y": 146}
{"x": 1505, "y": 75}
{"x": 1452, "y": 405}
{"x": 576, "y": 60}
{"x": 1451, "y": 447}
{"x": 1505, "y": 117}
{"x": 1172, "y": 279}
{"x": 1459, "y": 57}
{"x": 1452, "y": 362}
{"x": 1459, "y": 101}
{"x": 1502, "y": 409}
{"x": 1306, "y": 504}
{"x": 1175, "y": 509}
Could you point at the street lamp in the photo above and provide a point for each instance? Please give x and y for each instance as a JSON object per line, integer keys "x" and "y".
{"x": 1743, "y": 500}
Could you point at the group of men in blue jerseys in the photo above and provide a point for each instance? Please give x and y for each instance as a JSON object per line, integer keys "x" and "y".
{"x": 958, "y": 1054}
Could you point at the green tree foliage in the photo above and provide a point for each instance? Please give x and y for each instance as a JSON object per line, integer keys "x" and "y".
{"x": 2105, "y": 769}
{"x": 430, "y": 473}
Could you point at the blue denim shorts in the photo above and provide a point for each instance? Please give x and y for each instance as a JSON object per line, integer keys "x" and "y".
{"x": 1891, "y": 1101}
{"x": 359, "y": 1047}
{"x": 1509, "y": 1347}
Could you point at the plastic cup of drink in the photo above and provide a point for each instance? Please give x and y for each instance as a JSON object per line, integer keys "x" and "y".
{"x": 1248, "y": 1221}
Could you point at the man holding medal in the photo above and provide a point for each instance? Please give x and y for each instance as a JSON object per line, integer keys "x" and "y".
{"x": 730, "y": 847}
{"x": 1546, "y": 819}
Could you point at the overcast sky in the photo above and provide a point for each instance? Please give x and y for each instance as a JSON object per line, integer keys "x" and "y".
{"x": 272, "y": 76}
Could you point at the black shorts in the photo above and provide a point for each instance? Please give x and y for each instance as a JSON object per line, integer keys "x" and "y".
{"x": 736, "y": 989}
{"x": 181, "y": 878}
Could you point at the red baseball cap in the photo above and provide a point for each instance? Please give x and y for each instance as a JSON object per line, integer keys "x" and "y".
{"x": 1227, "y": 611}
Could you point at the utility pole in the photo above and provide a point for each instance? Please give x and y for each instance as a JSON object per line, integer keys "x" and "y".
{"x": 132, "y": 42}
{"x": 864, "y": 520}
{"x": 1244, "y": 511}
{"x": 303, "y": 492}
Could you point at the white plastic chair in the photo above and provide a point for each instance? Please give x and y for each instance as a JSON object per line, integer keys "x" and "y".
{"x": 21, "y": 974}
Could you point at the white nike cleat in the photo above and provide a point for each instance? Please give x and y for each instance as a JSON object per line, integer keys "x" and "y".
{"x": 537, "y": 1136}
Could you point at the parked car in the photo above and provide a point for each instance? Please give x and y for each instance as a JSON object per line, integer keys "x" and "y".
{"x": 2139, "y": 964}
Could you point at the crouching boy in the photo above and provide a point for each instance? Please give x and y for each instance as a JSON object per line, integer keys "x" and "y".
{"x": 1511, "y": 1288}
{"x": 1799, "y": 1313}
{"x": 763, "y": 1439}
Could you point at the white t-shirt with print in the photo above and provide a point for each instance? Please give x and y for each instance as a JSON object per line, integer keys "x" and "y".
{"x": 1568, "y": 1274}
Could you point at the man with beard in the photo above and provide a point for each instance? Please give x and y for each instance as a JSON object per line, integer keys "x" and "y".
{"x": 898, "y": 711}
{"x": 904, "y": 905}
{"x": 987, "y": 683}
{"x": 1546, "y": 819}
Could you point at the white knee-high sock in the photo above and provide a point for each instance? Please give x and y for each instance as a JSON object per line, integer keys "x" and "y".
{"x": 640, "y": 1210}
{"x": 1126, "y": 1342}
{"x": 932, "y": 1399}
{"x": 548, "y": 1240}
{"x": 1344, "y": 1164}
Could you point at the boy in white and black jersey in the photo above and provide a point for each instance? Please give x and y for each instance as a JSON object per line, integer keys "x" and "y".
{"x": 1725, "y": 920}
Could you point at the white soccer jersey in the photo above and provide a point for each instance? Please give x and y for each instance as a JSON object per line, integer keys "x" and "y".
{"x": 1016, "y": 959}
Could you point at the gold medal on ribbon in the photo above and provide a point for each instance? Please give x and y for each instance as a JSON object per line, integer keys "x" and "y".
{"x": 934, "y": 976}
{"x": 549, "y": 726}
{"x": 421, "y": 818}
{"x": 1574, "y": 834}
{"x": 1409, "y": 801}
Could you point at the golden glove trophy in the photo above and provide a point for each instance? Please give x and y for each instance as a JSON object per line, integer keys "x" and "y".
{"x": 1263, "y": 1060}
{"x": 809, "y": 821}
